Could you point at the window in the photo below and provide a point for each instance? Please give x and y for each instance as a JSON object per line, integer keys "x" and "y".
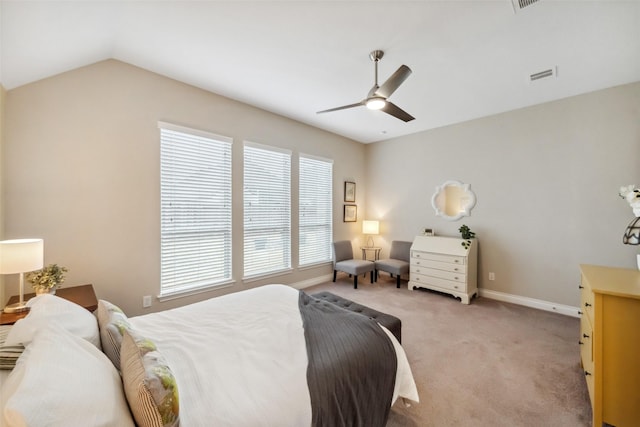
{"x": 316, "y": 210}
{"x": 195, "y": 199}
{"x": 267, "y": 210}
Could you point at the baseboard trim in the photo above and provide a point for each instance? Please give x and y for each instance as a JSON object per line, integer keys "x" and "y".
{"x": 567, "y": 310}
{"x": 313, "y": 281}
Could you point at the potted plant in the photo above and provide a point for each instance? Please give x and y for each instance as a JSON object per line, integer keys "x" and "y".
{"x": 47, "y": 279}
{"x": 467, "y": 234}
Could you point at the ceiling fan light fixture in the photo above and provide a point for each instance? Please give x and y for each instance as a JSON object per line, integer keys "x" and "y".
{"x": 376, "y": 103}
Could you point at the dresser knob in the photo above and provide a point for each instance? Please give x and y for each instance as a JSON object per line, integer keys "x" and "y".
{"x": 587, "y": 373}
{"x": 455, "y": 278}
{"x": 585, "y": 336}
{"x": 580, "y": 287}
{"x": 579, "y": 312}
{"x": 455, "y": 260}
{"x": 580, "y": 342}
{"x": 455, "y": 287}
{"x": 586, "y": 304}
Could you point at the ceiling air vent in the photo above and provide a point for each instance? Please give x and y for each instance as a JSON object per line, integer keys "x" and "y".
{"x": 550, "y": 72}
{"x": 521, "y": 4}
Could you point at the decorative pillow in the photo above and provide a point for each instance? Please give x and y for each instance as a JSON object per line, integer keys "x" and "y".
{"x": 112, "y": 323}
{"x": 49, "y": 309}
{"x": 62, "y": 380}
{"x": 8, "y": 353}
{"x": 149, "y": 384}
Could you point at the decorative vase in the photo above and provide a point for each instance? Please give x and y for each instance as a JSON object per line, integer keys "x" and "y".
{"x": 40, "y": 291}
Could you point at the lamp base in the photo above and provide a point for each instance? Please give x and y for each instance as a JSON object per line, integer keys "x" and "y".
{"x": 16, "y": 308}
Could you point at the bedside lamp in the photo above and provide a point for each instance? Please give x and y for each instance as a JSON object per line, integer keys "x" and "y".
{"x": 20, "y": 256}
{"x": 371, "y": 228}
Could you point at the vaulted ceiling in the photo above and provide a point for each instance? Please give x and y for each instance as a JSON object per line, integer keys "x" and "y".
{"x": 469, "y": 59}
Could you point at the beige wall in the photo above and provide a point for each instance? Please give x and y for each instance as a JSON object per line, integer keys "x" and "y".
{"x": 546, "y": 180}
{"x": 82, "y": 172}
{"x": 2, "y": 97}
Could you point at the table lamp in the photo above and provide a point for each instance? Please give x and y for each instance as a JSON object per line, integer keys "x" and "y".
{"x": 370, "y": 228}
{"x": 20, "y": 256}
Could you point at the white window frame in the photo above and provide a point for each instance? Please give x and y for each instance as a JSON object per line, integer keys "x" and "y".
{"x": 195, "y": 209}
{"x": 315, "y": 210}
{"x": 267, "y": 210}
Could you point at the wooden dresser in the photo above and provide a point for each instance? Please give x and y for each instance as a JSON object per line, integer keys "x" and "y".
{"x": 443, "y": 264}
{"x": 610, "y": 343}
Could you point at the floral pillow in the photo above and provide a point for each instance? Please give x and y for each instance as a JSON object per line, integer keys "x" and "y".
{"x": 112, "y": 323}
{"x": 149, "y": 384}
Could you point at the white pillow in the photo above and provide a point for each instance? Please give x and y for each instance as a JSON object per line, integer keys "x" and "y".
{"x": 62, "y": 380}
{"x": 49, "y": 309}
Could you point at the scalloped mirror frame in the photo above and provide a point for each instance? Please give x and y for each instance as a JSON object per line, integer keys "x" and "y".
{"x": 453, "y": 200}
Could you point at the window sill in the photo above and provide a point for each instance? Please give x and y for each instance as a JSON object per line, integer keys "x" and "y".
{"x": 194, "y": 291}
{"x": 255, "y": 278}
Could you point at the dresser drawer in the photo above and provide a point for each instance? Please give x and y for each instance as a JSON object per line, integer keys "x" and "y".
{"x": 431, "y": 281}
{"x": 446, "y": 266}
{"x": 586, "y": 342}
{"x": 586, "y": 301}
{"x": 452, "y": 259}
{"x": 442, "y": 274}
{"x": 586, "y": 353}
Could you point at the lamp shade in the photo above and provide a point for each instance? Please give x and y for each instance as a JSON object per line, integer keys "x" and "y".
{"x": 370, "y": 227}
{"x": 21, "y": 255}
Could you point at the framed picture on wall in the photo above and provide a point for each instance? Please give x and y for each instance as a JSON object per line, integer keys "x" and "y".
{"x": 350, "y": 213}
{"x": 349, "y": 191}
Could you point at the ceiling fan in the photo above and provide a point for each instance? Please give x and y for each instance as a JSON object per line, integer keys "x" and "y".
{"x": 377, "y": 97}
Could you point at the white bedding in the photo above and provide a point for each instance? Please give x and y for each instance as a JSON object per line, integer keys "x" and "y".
{"x": 240, "y": 359}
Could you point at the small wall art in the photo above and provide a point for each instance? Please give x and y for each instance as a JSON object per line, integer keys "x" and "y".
{"x": 349, "y": 191}
{"x": 350, "y": 213}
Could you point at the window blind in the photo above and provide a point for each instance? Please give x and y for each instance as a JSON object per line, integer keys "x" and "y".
{"x": 315, "y": 210}
{"x": 195, "y": 188}
{"x": 267, "y": 209}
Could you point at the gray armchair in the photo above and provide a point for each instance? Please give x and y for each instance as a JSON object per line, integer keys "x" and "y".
{"x": 398, "y": 261}
{"x": 343, "y": 261}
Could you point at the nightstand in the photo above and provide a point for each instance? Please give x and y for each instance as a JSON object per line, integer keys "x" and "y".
{"x": 374, "y": 249}
{"x": 82, "y": 295}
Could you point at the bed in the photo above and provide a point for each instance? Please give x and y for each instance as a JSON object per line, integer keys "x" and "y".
{"x": 268, "y": 356}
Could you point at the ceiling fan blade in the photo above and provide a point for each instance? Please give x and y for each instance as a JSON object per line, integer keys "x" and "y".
{"x": 394, "y": 81}
{"x": 397, "y": 112}
{"x": 344, "y": 107}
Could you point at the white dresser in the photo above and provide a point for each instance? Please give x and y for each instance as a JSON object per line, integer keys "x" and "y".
{"x": 443, "y": 264}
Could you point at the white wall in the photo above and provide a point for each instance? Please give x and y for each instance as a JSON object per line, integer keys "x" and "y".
{"x": 546, "y": 180}
{"x": 81, "y": 170}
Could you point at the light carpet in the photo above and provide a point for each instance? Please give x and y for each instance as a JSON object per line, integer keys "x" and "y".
{"x": 489, "y": 363}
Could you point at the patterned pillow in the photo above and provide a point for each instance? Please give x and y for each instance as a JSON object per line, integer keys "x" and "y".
{"x": 8, "y": 353}
{"x": 112, "y": 323}
{"x": 149, "y": 384}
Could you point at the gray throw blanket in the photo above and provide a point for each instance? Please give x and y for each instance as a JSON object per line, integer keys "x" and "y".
{"x": 352, "y": 366}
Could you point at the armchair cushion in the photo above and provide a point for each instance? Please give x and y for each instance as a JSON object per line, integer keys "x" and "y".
{"x": 355, "y": 266}
{"x": 393, "y": 266}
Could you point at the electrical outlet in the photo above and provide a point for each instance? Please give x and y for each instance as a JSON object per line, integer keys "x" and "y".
{"x": 492, "y": 275}
{"x": 146, "y": 301}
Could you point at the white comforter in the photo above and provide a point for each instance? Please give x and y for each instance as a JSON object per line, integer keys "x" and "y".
{"x": 240, "y": 359}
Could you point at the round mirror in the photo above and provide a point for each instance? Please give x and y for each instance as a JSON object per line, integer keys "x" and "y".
{"x": 453, "y": 200}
